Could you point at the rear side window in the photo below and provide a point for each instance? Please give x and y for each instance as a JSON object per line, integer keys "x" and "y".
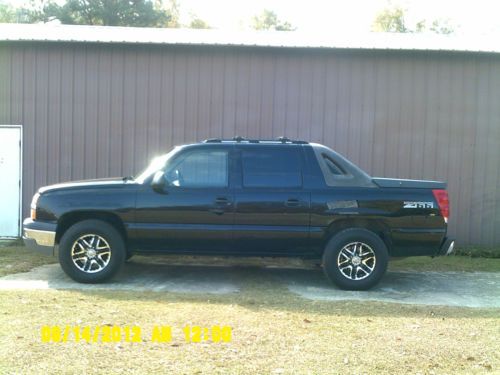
{"x": 271, "y": 167}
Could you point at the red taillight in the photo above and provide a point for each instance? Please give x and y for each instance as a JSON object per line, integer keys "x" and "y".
{"x": 443, "y": 202}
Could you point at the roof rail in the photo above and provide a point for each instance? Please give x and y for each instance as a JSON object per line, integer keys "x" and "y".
{"x": 239, "y": 139}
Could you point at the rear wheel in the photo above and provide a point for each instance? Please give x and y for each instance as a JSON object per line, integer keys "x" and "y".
{"x": 355, "y": 259}
{"x": 91, "y": 251}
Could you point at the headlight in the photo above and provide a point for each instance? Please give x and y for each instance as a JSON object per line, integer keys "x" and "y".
{"x": 34, "y": 201}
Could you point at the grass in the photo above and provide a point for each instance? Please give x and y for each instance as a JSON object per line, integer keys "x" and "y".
{"x": 17, "y": 258}
{"x": 274, "y": 331}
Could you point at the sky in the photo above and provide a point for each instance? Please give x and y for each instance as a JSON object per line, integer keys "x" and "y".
{"x": 477, "y": 17}
{"x": 467, "y": 17}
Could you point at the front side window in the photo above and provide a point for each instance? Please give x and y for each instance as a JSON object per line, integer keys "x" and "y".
{"x": 271, "y": 167}
{"x": 199, "y": 169}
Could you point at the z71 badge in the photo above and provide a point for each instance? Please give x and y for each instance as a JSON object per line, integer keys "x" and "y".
{"x": 418, "y": 205}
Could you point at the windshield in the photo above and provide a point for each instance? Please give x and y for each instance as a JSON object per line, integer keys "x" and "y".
{"x": 155, "y": 165}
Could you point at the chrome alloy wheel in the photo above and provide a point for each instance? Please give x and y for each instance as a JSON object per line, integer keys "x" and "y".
{"x": 90, "y": 253}
{"x": 356, "y": 261}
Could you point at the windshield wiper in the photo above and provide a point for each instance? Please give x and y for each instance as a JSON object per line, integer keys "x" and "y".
{"x": 128, "y": 178}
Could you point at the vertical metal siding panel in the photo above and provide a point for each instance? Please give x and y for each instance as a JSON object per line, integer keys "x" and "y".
{"x": 382, "y": 104}
{"x": 242, "y": 93}
{"x": 467, "y": 149}
{"x": 203, "y": 112}
{"x": 17, "y": 109}
{"x": 54, "y": 115}
{"x": 78, "y": 141}
{"x": 254, "y": 90}
{"x": 419, "y": 72}
{"x": 28, "y": 120}
{"x": 279, "y": 98}
{"x": 266, "y": 96}
{"x": 443, "y": 116}
{"x": 456, "y": 158}
{"x": 341, "y": 141}
{"x": 129, "y": 111}
{"x": 117, "y": 109}
{"x": 492, "y": 156}
{"x": 492, "y": 183}
{"x": 368, "y": 99}
{"x": 104, "y": 112}
{"x": 17, "y": 79}
{"x": 479, "y": 199}
{"x": 5, "y": 84}
{"x": 292, "y": 98}
{"x": 318, "y": 103}
{"x": 305, "y": 97}
{"x": 41, "y": 115}
{"x": 217, "y": 94}
{"x": 406, "y": 109}
{"x": 154, "y": 106}
{"x": 168, "y": 94}
{"x": 331, "y": 101}
{"x": 355, "y": 110}
{"x": 191, "y": 98}
{"x": 392, "y": 134}
{"x": 90, "y": 124}
{"x": 180, "y": 95}
{"x": 67, "y": 113}
{"x": 431, "y": 121}
{"x": 141, "y": 122}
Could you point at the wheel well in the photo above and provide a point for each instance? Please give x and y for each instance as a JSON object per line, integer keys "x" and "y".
{"x": 375, "y": 226}
{"x": 67, "y": 220}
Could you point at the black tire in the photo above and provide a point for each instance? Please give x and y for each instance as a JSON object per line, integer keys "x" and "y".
{"x": 357, "y": 272}
{"x": 89, "y": 232}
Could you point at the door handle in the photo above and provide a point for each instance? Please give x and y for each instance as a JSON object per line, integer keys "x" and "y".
{"x": 222, "y": 201}
{"x": 292, "y": 202}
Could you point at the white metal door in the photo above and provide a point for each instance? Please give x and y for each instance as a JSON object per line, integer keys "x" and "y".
{"x": 10, "y": 180}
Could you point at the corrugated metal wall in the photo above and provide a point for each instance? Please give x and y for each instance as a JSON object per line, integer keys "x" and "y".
{"x": 92, "y": 110}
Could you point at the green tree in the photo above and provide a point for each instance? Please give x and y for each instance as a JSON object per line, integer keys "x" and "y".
{"x": 7, "y": 13}
{"x": 392, "y": 19}
{"x": 140, "y": 13}
{"x": 198, "y": 23}
{"x": 268, "y": 20}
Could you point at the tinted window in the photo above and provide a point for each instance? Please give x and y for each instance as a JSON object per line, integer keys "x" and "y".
{"x": 333, "y": 167}
{"x": 203, "y": 168}
{"x": 272, "y": 167}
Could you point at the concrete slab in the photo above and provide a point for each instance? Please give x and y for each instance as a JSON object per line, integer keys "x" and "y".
{"x": 136, "y": 277}
{"x": 479, "y": 289}
{"x": 466, "y": 289}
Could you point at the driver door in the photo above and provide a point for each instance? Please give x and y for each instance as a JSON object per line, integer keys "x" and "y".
{"x": 195, "y": 212}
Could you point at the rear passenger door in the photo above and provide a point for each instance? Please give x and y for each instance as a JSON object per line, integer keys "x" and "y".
{"x": 272, "y": 209}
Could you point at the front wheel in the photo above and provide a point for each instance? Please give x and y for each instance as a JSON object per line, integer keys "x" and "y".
{"x": 355, "y": 259}
{"x": 91, "y": 251}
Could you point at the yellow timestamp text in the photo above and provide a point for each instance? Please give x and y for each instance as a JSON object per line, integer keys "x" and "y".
{"x": 133, "y": 334}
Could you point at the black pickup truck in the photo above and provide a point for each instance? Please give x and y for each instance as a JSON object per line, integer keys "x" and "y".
{"x": 243, "y": 198}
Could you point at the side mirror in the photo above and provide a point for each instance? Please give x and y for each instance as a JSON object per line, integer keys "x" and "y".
{"x": 159, "y": 182}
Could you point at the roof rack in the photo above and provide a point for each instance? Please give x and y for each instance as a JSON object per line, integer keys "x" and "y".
{"x": 239, "y": 139}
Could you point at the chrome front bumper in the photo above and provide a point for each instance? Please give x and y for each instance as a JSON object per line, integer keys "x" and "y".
{"x": 40, "y": 237}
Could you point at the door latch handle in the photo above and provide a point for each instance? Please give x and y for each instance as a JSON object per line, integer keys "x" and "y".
{"x": 292, "y": 202}
{"x": 221, "y": 201}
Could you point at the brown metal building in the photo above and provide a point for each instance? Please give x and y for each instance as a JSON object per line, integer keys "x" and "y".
{"x": 97, "y": 102}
